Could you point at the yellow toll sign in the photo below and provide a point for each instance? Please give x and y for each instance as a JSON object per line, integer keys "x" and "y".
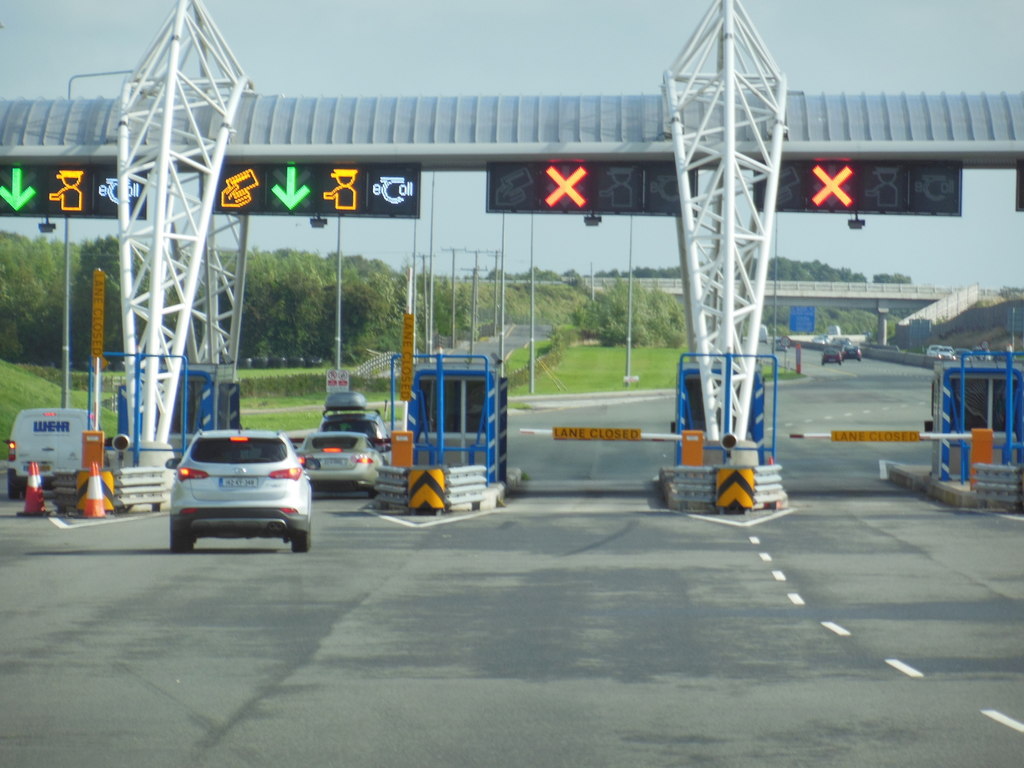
{"x": 875, "y": 436}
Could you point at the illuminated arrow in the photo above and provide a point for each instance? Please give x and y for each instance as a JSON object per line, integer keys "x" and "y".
{"x": 17, "y": 197}
{"x": 292, "y": 195}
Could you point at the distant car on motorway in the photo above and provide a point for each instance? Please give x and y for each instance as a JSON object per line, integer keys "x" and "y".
{"x": 832, "y": 354}
{"x": 821, "y": 338}
{"x": 235, "y": 484}
{"x": 940, "y": 352}
{"x": 851, "y": 351}
{"x": 344, "y": 459}
{"x": 781, "y": 344}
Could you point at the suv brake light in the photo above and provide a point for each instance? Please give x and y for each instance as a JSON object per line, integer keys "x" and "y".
{"x": 12, "y": 450}
{"x": 190, "y": 473}
{"x": 292, "y": 473}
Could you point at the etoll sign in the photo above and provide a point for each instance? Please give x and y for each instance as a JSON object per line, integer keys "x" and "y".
{"x": 337, "y": 380}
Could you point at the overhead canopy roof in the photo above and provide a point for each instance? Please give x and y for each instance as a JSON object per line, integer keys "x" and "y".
{"x": 466, "y": 132}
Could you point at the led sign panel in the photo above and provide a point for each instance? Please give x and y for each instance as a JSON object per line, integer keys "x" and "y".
{"x": 870, "y": 187}
{"x": 342, "y": 189}
{"x": 61, "y": 190}
{"x": 577, "y": 186}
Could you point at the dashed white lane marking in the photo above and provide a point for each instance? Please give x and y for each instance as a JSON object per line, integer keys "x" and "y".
{"x": 906, "y": 669}
{"x": 1002, "y": 719}
{"x": 778, "y": 575}
{"x": 765, "y": 557}
{"x": 833, "y": 627}
{"x": 754, "y": 540}
{"x": 795, "y": 598}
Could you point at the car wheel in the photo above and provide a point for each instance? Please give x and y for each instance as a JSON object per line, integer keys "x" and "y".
{"x": 301, "y": 541}
{"x": 14, "y": 491}
{"x": 181, "y": 542}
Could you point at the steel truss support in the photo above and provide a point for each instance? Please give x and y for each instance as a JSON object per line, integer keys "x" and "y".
{"x": 180, "y": 294}
{"x": 725, "y": 100}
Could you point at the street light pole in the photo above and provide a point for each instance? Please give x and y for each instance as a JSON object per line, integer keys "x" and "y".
{"x": 65, "y": 387}
{"x": 629, "y": 312}
{"x": 533, "y": 311}
{"x": 337, "y": 310}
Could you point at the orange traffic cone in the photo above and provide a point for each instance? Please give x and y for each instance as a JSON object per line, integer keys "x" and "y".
{"x": 35, "y": 504}
{"x": 94, "y": 494}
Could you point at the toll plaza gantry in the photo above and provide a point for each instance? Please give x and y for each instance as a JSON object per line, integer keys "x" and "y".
{"x": 190, "y": 152}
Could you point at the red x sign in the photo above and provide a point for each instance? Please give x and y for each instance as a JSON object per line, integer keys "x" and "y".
{"x": 566, "y": 187}
{"x": 832, "y": 185}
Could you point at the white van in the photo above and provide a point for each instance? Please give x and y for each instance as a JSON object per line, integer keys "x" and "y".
{"x": 51, "y": 437}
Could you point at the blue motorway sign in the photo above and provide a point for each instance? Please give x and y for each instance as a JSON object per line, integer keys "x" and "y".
{"x": 801, "y": 319}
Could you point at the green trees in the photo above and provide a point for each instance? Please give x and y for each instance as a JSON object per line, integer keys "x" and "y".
{"x": 658, "y": 319}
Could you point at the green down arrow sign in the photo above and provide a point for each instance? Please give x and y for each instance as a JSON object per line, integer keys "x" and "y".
{"x": 17, "y": 197}
{"x": 291, "y": 196}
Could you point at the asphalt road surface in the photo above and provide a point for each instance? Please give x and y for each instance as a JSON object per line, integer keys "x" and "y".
{"x": 581, "y": 625}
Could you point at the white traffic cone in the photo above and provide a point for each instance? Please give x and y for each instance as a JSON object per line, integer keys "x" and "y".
{"x": 94, "y": 494}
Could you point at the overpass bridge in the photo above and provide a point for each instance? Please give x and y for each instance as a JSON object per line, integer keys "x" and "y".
{"x": 725, "y": 120}
{"x": 930, "y": 302}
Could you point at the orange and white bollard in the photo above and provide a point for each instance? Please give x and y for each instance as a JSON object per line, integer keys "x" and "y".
{"x": 35, "y": 504}
{"x": 94, "y": 494}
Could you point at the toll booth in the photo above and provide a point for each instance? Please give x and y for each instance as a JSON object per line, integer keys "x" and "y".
{"x": 690, "y": 408}
{"x": 458, "y": 414}
{"x": 983, "y": 390}
{"x": 212, "y": 400}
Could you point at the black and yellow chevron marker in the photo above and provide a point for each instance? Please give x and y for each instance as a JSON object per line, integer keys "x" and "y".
{"x": 426, "y": 488}
{"x": 82, "y": 485}
{"x": 734, "y": 489}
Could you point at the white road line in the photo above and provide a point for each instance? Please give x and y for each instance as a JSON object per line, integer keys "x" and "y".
{"x": 795, "y": 598}
{"x": 434, "y": 522}
{"x": 906, "y": 669}
{"x": 66, "y": 524}
{"x": 723, "y": 520}
{"x": 765, "y": 557}
{"x": 1015, "y": 518}
{"x": 778, "y": 575}
{"x": 754, "y": 540}
{"x": 833, "y": 627}
{"x": 999, "y": 717}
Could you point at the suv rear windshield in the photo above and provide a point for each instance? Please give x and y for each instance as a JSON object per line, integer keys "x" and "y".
{"x": 225, "y": 450}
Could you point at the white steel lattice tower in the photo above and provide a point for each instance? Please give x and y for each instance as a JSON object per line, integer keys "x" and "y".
{"x": 725, "y": 101}
{"x": 178, "y": 296}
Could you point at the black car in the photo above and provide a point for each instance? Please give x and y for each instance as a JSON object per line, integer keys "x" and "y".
{"x": 347, "y": 412}
{"x": 851, "y": 352}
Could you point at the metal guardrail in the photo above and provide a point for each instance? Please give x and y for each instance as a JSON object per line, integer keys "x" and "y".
{"x": 1000, "y": 485}
{"x": 465, "y": 487}
{"x": 136, "y": 489}
{"x": 692, "y": 489}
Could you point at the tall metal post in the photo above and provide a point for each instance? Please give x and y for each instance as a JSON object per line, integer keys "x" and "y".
{"x": 725, "y": 99}
{"x": 176, "y": 117}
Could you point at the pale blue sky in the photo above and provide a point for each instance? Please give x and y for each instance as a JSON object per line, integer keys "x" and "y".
{"x": 464, "y": 47}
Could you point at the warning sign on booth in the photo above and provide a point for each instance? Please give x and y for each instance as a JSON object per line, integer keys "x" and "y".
{"x": 337, "y": 381}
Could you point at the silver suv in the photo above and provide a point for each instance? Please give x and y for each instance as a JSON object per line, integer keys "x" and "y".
{"x": 240, "y": 484}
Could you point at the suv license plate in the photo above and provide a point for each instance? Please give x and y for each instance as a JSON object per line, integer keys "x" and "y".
{"x": 239, "y": 482}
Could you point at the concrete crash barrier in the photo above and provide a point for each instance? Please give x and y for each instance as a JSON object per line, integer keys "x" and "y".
{"x": 1000, "y": 486}
{"x": 437, "y": 489}
{"x": 718, "y": 489}
{"x": 135, "y": 489}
